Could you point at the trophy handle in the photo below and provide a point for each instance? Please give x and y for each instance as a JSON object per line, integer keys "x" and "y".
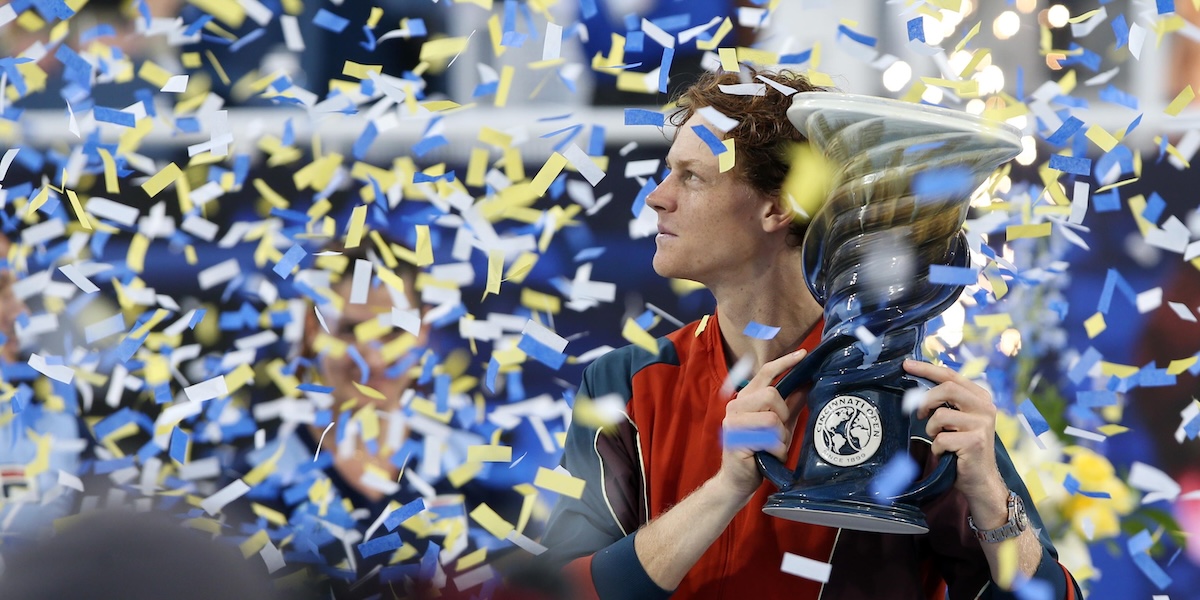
{"x": 772, "y": 468}
{"x": 938, "y": 482}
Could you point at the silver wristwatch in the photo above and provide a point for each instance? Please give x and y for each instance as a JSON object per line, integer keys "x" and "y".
{"x": 1018, "y": 521}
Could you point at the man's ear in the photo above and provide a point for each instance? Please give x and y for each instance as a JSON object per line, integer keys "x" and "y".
{"x": 777, "y": 213}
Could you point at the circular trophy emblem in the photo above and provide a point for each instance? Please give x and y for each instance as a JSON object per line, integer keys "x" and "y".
{"x": 848, "y": 431}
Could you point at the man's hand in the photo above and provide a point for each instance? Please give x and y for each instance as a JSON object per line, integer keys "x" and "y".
{"x": 963, "y": 421}
{"x": 758, "y": 406}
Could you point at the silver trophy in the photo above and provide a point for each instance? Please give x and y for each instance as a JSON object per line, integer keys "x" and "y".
{"x": 900, "y": 195}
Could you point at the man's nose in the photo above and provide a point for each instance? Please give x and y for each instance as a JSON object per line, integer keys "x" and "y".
{"x": 659, "y": 198}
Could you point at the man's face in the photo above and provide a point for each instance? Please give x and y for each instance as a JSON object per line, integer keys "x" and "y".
{"x": 342, "y": 372}
{"x": 710, "y": 223}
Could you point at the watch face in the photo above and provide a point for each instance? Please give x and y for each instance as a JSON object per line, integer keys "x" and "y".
{"x": 1021, "y": 519}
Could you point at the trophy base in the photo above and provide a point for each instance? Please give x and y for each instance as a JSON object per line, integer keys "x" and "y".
{"x": 847, "y": 514}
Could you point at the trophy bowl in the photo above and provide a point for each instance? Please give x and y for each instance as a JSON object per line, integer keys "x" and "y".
{"x": 904, "y": 177}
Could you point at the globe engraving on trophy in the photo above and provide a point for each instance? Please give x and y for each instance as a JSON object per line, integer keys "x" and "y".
{"x": 897, "y": 206}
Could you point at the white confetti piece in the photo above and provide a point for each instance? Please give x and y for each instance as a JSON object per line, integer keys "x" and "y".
{"x": 718, "y": 120}
{"x": 9, "y": 155}
{"x": 272, "y": 557}
{"x": 584, "y": 164}
{"x": 641, "y": 168}
{"x": 552, "y": 46}
{"x": 207, "y": 390}
{"x": 214, "y": 503}
{"x": 79, "y": 279}
{"x": 1084, "y": 434}
{"x": 66, "y": 479}
{"x": 1149, "y": 300}
{"x": 407, "y": 319}
{"x": 360, "y": 288}
{"x": 525, "y": 543}
{"x": 59, "y": 373}
{"x": 1183, "y": 311}
{"x": 291, "y": 33}
{"x": 7, "y": 14}
{"x": 544, "y": 336}
{"x": 219, "y": 273}
{"x": 744, "y": 89}
{"x": 177, "y": 84}
{"x": 1150, "y": 479}
{"x": 805, "y": 567}
{"x": 656, "y": 33}
{"x": 200, "y": 227}
{"x": 257, "y": 11}
{"x": 1192, "y": 411}
{"x": 1137, "y": 38}
{"x": 36, "y": 235}
{"x": 1082, "y": 29}
{"x": 1079, "y": 202}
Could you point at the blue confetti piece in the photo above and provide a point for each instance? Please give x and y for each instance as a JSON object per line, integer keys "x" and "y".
{"x": 710, "y": 139}
{"x": 1115, "y": 96}
{"x": 1072, "y": 486}
{"x": 1075, "y": 165}
{"x": 379, "y": 545}
{"x": 113, "y": 422}
{"x": 290, "y": 259}
{"x": 1096, "y": 398}
{"x": 759, "y": 331}
{"x": 750, "y": 439}
{"x": 1082, "y": 56}
{"x": 247, "y": 39}
{"x": 369, "y": 41}
{"x": 946, "y": 275}
{"x": 1090, "y": 357}
{"x": 1138, "y": 546}
{"x": 635, "y": 41}
{"x": 112, "y": 115}
{"x": 1109, "y": 201}
{"x": 416, "y": 28}
{"x": 21, "y": 398}
{"x": 1065, "y": 131}
{"x": 641, "y": 116}
{"x": 639, "y": 202}
{"x": 364, "y": 141}
{"x": 1114, "y": 281}
{"x": 895, "y": 476}
{"x": 363, "y": 368}
{"x": 861, "y": 38}
{"x": 796, "y": 59}
{"x": 428, "y": 144}
{"x": 540, "y": 352}
{"x": 1035, "y": 589}
{"x": 664, "y": 71}
{"x": 1165, "y": 7}
{"x": 329, "y": 21}
{"x": 1154, "y": 208}
{"x": 943, "y": 184}
{"x": 404, "y": 513}
{"x": 1192, "y": 428}
{"x": 441, "y": 392}
{"x": 1036, "y": 421}
{"x": 589, "y": 254}
{"x": 1121, "y": 30}
{"x": 1155, "y": 378}
{"x": 596, "y": 141}
{"x": 916, "y": 29}
{"x": 179, "y": 444}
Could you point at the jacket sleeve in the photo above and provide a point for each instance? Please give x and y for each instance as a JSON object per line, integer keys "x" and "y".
{"x": 961, "y": 560}
{"x": 591, "y": 538}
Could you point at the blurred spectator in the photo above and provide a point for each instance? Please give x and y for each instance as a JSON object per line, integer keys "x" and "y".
{"x": 131, "y": 556}
{"x": 39, "y": 441}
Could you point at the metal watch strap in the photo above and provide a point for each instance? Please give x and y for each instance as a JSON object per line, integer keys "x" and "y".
{"x": 1017, "y": 522}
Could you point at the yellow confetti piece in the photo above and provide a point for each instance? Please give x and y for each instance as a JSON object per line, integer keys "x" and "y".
{"x": 490, "y": 521}
{"x": 477, "y": 167}
{"x": 358, "y": 219}
{"x": 975, "y": 60}
{"x": 463, "y": 473}
{"x": 966, "y": 38}
{"x": 1181, "y": 101}
{"x": 559, "y": 483}
{"x": 359, "y": 70}
{"x": 135, "y": 259}
{"x": 154, "y": 74}
{"x": 549, "y": 171}
{"x": 703, "y": 324}
{"x": 495, "y": 268}
{"x": 494, "y": 137}
{"x": 1095, "y": 325}
{"x": 254, "y": 543}
{"x": 424, "y": 246}
{"x": 376, "y": 14}
{"x": 1180, "y": 365}
{"x": 212, "y": 58}
{"x": 471, "y": 560}
{"x": 636, "y": 335}
{"x": 729, "y": 59}
{"x": 1110, "y": 369}
{"x": 489, "y": 453}
{"x": 444, "y": 48}
{"x": 162, "y": 179}
{"x": 711, "y": 44}
{"x": 110, "y": 172}
{"x": 1033, "y": 483}
{"x": 1007, "y": 554}
{"x": 994, "y": 323}
{"x": 725, "y": 160}
{"x": 808, "y": 181}
{"x": 535, "y": 300}
{"x": 502, "y": 89}
{"x": 1112, "y": 429}
{"x": 521, "y": 267}
{"x": 228, "y": 11}
{"x": 368, "y": 391}
{"x": 82, "y": 216}
{"x": 1101, "y": 137}
{"x": 1036, "y": 230}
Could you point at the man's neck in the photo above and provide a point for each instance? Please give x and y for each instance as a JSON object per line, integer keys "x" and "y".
{"x": 774, "y": 296}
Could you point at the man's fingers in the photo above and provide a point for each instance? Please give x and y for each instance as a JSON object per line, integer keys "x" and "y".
{"x": 772, "y": 370}
{"x": 764, "y": 400}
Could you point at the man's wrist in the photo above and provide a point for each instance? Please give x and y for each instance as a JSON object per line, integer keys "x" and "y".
{"x": 725, "y": 493}
{"x": 990, "y": 509}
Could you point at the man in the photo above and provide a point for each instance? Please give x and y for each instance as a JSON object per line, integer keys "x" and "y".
{"x": 665, "y": 508}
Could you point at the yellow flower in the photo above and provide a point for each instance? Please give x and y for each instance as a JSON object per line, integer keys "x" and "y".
{"x": 1095, "y": 474}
